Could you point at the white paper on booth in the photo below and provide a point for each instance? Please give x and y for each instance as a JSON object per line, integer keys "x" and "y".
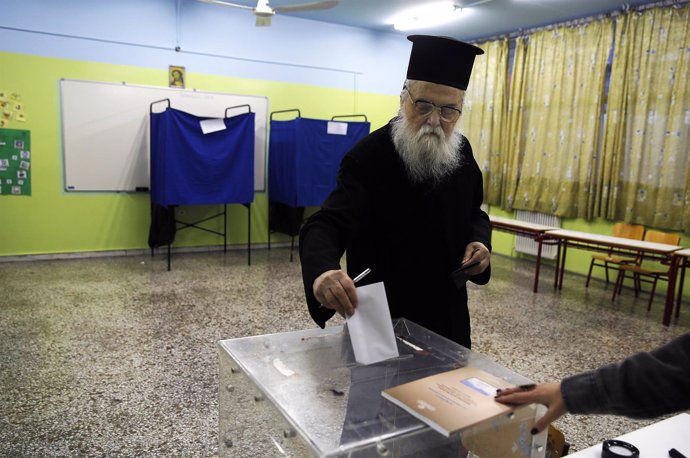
{"x": 370, "y": 327}
{"x": 209, "y": 126}
{"x": 336, "y": 128}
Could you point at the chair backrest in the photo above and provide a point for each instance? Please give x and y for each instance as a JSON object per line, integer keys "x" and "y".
{"x": 629, "y": 231}
{"x": 662, "y": 237}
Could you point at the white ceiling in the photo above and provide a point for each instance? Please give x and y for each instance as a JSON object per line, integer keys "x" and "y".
{"x": 486, "y": 19}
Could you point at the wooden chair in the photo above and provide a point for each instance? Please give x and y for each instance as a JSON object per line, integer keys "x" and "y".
{"x": 650, "y": 271}
{"x": 611, "y": 261}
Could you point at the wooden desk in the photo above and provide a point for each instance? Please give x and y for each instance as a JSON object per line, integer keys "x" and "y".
{"x": 654, "y": 440}
{"x": 681, "y": 260}
{"x": 523, "y": 228}
{"x": 616, "y": 245}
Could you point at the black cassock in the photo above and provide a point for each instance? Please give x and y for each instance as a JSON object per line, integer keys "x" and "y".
{"x": 412, "y": 236}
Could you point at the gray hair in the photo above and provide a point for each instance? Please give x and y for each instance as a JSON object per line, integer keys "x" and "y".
{"x": 404, "y": 93}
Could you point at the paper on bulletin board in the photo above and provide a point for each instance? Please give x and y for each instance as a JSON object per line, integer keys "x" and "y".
{"x": 15, "y": 162}
{"x": 11, "y": 108}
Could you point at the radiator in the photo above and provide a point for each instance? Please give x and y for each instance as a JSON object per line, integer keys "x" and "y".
{"x": 527, "y": 245}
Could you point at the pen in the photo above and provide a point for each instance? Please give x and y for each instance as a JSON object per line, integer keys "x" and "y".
{"x": 673, "y": 453}
{"x": 362, "y": 275}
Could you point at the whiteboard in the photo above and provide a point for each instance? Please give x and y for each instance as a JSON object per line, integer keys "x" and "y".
{"x": 105, "y": 130}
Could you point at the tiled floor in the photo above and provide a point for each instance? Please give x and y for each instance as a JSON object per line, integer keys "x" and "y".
{"x": 117, "y": 356}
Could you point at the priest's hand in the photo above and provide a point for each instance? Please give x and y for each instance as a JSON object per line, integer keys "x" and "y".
{"x": 548, "y": 394}
{"x": 335, "y": 290}
{"x": 477, "y": 258}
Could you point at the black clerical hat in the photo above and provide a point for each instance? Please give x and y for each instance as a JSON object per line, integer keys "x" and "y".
{"x": 441, "y": 60}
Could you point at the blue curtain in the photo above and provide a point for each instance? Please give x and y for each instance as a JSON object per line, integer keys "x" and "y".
{"x": 189, "y": 167}
{"x": 303, "y": 159}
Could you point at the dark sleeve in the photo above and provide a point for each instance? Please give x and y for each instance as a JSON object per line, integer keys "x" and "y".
{"x": 482, "y": 233}
{"x": 481, "y": 225}
{"x": 645, "y": 385}
{"x": 322, "y": 240}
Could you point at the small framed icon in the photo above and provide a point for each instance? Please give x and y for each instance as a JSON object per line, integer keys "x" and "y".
{"x": 176, "y": 76}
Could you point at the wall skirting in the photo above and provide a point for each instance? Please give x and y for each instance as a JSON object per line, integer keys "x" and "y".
{"x": 135, "y": 252}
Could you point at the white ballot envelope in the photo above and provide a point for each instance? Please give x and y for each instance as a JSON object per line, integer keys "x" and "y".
{"x": 371, "y": 327}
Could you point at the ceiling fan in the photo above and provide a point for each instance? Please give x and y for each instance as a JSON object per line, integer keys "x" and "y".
{"x": 263, "y": 11}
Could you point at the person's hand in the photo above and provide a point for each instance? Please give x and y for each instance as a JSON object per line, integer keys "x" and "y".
{"x": 476, "y": 252}
{"x": 548, "y": 394}
{"x": 335, "y": 290}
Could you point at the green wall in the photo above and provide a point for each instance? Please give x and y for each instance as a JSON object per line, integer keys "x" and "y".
{"x": 52, "y": 220}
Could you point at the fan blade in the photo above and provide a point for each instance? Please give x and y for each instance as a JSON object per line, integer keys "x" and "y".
{"x": 324, "y": 5}
{"x": 471, "y": 4}
{"x": 223, "y": 3}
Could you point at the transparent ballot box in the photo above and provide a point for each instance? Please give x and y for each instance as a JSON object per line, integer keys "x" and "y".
{"x": 301, "y": 394}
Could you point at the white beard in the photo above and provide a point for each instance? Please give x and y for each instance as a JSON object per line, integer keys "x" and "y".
{"x": 427, "y": 154}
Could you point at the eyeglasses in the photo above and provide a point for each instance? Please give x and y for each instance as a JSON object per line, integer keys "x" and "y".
{"x": 425, "y": 108}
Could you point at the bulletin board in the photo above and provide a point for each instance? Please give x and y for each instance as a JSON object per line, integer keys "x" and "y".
{"x": 105, "y": 131}
{"x": 15, "y": 162}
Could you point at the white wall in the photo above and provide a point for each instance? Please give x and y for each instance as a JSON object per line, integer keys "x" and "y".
{"x": 212, "y": 39}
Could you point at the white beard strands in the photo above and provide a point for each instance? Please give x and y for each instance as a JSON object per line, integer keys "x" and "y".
{"x": 427, "y": 154}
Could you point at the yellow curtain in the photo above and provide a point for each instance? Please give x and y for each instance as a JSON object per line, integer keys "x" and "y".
{"x": 556, "y": 122}
{"x": 483, "y": 115}
{"x": 645, "y": 164}
{"x": 514, "y": 140}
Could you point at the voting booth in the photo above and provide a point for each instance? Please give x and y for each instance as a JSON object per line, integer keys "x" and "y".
{"x": 200, "y": 161}
{"x": 303, "y": 159}
{"x": 302, "y": 394}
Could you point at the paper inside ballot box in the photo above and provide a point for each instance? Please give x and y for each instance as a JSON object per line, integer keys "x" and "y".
{"x": 451, "y": 401}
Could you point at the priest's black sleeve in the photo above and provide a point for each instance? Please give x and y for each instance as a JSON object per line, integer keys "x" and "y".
{"x": 325, "y": 236}
{"x": 481, "y": 225}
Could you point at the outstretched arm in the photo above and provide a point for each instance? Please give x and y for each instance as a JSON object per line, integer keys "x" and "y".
{"x": 644, "y": 385}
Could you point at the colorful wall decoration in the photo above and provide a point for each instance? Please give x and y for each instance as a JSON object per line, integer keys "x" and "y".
{"x": 15, "y": 162}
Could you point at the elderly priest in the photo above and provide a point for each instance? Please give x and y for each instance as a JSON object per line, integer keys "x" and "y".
{"x": 407, "y": 206}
